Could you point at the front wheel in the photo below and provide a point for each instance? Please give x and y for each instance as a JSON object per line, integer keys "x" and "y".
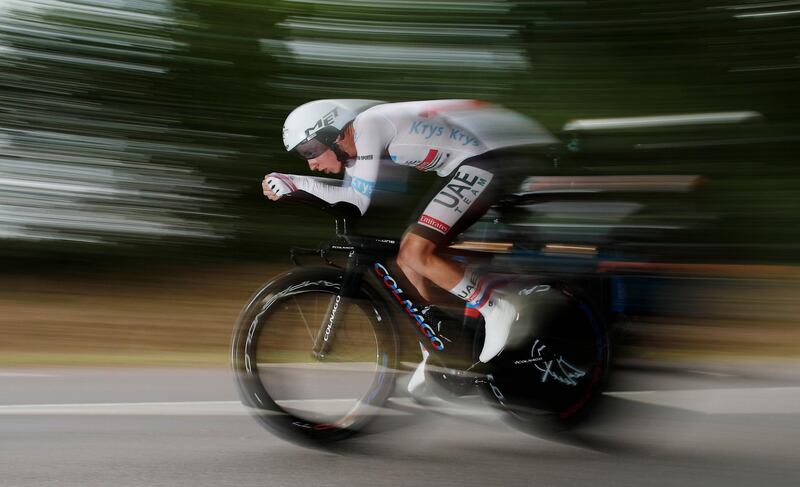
{"x": 291, "y": 392}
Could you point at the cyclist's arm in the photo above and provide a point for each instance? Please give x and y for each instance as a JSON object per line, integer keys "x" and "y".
{"x": 333, "y": 194}
{"x": 372, "y": 136}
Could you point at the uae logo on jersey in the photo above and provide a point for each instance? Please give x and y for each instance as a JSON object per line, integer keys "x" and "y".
{"x": 455, "y": 198}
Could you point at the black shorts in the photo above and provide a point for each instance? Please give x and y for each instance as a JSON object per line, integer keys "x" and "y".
{"x": 473, "y": 187}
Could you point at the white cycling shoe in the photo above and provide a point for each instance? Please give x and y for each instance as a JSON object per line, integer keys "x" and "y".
{"x": 498, "y": 326}
{"x": 417, "y": 380}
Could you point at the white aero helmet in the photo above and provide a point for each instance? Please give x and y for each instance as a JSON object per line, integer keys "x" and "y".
{"x": 312, "y": 128}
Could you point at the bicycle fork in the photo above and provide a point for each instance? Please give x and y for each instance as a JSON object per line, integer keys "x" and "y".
{"x": 336, "y": 310}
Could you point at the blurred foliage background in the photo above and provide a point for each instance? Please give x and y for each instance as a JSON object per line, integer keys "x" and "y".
{"x": 134, "y": 135}
{"x": 143, "y": 127}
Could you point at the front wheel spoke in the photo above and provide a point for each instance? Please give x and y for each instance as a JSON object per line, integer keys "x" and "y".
{"x": 305, "y": 321}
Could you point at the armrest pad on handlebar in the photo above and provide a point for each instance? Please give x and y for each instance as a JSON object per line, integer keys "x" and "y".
{"x": 304, "y": 197}
{"x": 345, "y": 214}
{"x": 339, "y": 209}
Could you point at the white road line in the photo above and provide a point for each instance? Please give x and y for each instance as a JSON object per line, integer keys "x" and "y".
{"x": 370, "y": 367}
{"x": 708, "y": 372}
{"x": 767, "y": 400}
{"x": 189, "y": 408}
{"x": 186, "y": 408}
{"x": 227, "y": 408}
{"x": 26, "y": 374}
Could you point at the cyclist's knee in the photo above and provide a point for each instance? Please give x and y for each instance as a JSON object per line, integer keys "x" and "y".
{"x": 414, "y": 253}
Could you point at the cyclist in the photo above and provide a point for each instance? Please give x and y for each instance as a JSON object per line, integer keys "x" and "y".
{"x": 465, "y": 141}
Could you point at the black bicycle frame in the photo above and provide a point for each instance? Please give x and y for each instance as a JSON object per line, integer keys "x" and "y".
{"x": 363, "y": 264}
{"x": 366, "y": 256}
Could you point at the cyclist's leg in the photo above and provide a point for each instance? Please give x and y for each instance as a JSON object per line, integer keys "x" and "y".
{"x": 476, "y": 185}
{"x": 458, "y": 203}
{"x": 417, "y": 252}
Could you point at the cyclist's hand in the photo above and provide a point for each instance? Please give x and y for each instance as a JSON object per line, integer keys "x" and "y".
{"x": 275, "y": 185}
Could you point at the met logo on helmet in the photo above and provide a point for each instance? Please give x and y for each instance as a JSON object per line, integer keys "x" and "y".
{"x": 326, "y": 120}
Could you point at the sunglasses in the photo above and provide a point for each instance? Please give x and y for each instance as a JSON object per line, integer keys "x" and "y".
{"x": 315, "y": 147}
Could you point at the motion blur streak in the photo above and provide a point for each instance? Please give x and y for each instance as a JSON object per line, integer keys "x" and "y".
{"x": 769, "y": 14}
{"x": 134, "y": 135}
{"x": 406, "y": 31}
{"x": 661, "y": 121}
{"x": 385, "y": 43}
{"x": 348, "y": 54}
{"x": 453, "y": 6}
{"x": 84, "y": 158}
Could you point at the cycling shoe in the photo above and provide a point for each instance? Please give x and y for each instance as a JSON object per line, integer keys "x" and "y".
{"x": 416, "y": 383}
{"x": 498, "y": 327}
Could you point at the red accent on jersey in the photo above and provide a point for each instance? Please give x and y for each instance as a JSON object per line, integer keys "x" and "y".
{"x": 432, "y": 222}
{"x": 429, "y": 158}
{"x": 461, "y": 105}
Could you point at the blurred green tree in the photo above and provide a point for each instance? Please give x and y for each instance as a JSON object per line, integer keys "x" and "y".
{"x": 144, "y": 128}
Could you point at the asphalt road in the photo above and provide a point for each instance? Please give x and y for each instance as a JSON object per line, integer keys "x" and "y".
{"x": 676, "y": 426}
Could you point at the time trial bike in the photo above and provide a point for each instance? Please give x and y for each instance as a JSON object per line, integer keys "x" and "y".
{"x": 317, "y": 350}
